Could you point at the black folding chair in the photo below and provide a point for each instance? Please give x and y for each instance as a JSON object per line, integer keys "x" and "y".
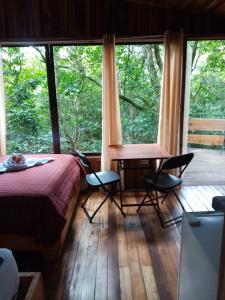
{"x": 96, "y": 180}
{"x": 165, "y": 183}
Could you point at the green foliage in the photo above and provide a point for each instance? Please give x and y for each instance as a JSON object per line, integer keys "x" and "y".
{"x": 78, "y": 71}
{"x": 139, "y": 78}
{"x": 27, "y": 110}
{"x": 207, "y": 99}
{"x": 78, "y": 79}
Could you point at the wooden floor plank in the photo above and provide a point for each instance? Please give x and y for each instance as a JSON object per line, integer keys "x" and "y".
{"x": 134, "y": 260}
{"x": 122, "y": 241}
{"x": 163, "y": 253}
{"x": 101, "y": 288}
{"x": 187, "y": 195}
{"x": 62, "y": 270}
{"x": 207, "y": 167}
{"x": 150, "y": 284}
{"x": 203, "y": 196}
{"x": 142, "y": 248}
{"x": 126, "y": 284}
{"x": 76, "y": 286}
{"x": 113, "y": 260}
{"x": 122, "y": 258}
{"x": 159, "y": 267}
{"x": 88, "y": 287}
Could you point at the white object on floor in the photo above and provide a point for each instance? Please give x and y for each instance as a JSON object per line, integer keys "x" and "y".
{"x": 200, "y": 255}
{"x": 9, "y": 276}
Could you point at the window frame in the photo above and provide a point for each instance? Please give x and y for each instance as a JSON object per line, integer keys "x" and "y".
{"x": 50, "y": 72}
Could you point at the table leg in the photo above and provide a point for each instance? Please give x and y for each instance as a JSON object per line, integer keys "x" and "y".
{"x": 119, "y": 168}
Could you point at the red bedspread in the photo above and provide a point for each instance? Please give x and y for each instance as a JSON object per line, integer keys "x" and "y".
{"x": 34, "y": 201}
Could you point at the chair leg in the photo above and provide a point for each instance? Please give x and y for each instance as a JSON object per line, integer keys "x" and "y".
{"x": 178, "y": 200}
{"x": 155, "y": 203}
{"x": 156, "y": 206}
{"x": 143, "y": 200}
{"x": 86, "y": 199}
{"x": 90, "y": 217}
{"x": 171, "y": 221}
{"x": 108, "y": 195}
{"x": 121, "y": 194}
{"x": 113, "y": 200}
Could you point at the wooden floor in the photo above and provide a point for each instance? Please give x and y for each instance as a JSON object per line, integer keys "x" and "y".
{"x": 117, "y": 258}
{"x": 207, "y": 167}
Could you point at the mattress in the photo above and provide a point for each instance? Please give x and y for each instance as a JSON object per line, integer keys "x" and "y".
{"x": 34, "y": 201}
{"x": 9, "y": 277}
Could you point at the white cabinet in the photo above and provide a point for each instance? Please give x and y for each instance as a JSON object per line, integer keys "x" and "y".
{"x": 200, "y": 256}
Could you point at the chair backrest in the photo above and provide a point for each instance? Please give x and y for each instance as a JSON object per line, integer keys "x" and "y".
{"x": 180, "y": 161}
{"x": 84, "y": 161}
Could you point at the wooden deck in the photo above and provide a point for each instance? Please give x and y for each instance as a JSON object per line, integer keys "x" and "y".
{"x": 117, "y": 258}
{"x": 206, "y": 168}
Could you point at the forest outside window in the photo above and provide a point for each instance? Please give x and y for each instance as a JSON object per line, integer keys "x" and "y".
{"x": 139, "y": 69}
{"x": 78, "y": 80}
{"x": 78, "y": 71}
{"x": 205, "y": 105}
{"x": 28, "y": 123}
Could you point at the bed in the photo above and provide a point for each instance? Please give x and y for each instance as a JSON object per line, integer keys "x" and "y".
{"x": 36, "y": 204}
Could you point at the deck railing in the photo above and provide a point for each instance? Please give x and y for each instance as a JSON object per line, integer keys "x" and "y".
{"x": 211, "y": 131}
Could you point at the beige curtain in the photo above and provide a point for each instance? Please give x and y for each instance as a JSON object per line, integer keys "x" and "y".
{"x": 169, "y": 117}
{"x": 111, "y": 124}
{"x": 2, "y": 112}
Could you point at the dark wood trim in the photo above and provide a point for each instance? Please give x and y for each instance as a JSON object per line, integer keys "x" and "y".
{"x": 182, "y": 104}
{"x": 88, "y": 42}
{"x": 206, "y": 37}
{"x": 52, "y": 98}
{"x": 44, "y": 20}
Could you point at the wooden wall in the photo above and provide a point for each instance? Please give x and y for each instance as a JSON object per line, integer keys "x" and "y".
{"x": 87, "y": 19}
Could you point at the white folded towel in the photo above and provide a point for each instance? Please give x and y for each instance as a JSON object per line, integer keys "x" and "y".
{"x": 17, "y": 162}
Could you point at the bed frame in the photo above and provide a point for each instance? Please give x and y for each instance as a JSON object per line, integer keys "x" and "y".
{"x": 27, "y": 243}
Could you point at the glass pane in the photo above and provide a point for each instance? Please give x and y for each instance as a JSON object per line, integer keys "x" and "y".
{"x": 207, "y": 79}
{"x": 78, "y": 72}
{"x": 204, "y": 122}
{"x": 27, "y": 106}
{"x": 139, "y": 70}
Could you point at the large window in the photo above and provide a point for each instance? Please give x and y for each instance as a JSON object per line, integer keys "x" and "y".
{"x": 139, "y": 77}
{"x": 78, "y": 72}
{"x": 205, "y": 93}
{"x": 78, "y": 86}
{"x": 204, "y": 115}
{"x": 207, "y": 79}
{"x": 27, "y": 110}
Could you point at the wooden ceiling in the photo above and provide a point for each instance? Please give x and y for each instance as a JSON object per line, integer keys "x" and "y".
{"x": 57, "y": 20}
{"x": 211, "y": 7}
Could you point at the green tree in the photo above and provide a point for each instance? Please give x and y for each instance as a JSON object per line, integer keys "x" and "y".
{"x": 27, "y": 116}
{"x": 207, "y": 98}
{"x": 78, "y": 72}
